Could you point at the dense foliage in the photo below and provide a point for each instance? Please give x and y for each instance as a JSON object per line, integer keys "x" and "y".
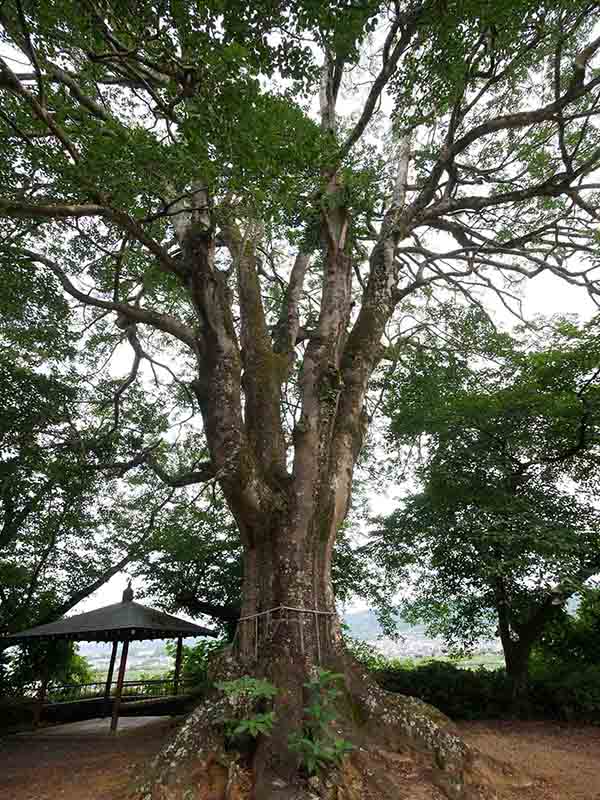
{"x": 505, "y": 527}
{"x": 573, "y": 640}
{"x": 557, "y": 692}
{"x": 238, "y": 261}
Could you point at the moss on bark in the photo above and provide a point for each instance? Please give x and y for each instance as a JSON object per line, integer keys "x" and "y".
{"x": 402, "y": 747}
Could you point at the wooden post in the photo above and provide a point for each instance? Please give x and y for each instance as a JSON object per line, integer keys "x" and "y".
{"x": 109, "y": 677}
{"x": 41, "y": 696}
{"x": 178, "y": 664}
{"x": 46, "y": 657}
{"x": 117, "y": 701}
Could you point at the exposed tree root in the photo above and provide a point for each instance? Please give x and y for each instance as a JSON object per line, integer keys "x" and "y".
{"x": 404, "y": 748}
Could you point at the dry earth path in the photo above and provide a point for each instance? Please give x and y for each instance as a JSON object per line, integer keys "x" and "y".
{"x": 81, "y": 761}
{"x": 78, "y": 761}
{"x": 563, "y": 760}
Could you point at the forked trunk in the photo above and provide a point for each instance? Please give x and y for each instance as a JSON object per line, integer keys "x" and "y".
{"x": 288, "y": 521}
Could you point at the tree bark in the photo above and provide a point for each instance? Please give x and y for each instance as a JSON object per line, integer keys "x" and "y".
{"x": 516, "y": 652}
{"x": 287, "y": 586}
{"x": 517, "y": 668}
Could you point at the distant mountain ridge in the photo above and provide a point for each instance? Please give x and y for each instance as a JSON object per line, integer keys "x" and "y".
{"x": 365, "y": 626}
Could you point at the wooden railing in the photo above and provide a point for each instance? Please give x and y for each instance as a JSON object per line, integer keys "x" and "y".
{"x": 132, "y": 690}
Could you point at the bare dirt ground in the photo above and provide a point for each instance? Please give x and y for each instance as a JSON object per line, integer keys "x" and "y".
{"x": 82, "y": 765}
{"x": 562, "y": 760}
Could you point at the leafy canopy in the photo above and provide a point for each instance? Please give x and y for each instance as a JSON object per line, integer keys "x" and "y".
{"x": 506, "y": 515}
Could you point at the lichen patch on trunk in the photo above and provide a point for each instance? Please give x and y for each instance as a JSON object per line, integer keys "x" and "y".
{"x": 403, "y": 748}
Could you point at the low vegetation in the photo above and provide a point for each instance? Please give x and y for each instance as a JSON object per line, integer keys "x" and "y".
{"x": 555, "y": 691}
{"x": 563, "y": 682}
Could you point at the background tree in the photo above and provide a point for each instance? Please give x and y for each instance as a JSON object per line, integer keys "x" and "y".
{"x": 572, "y": 638}
{"x": 166, "y": 167}
{"x": 65, "y": 528}
{"x": 57, "y": 543}
{"x": 505, "y": 528}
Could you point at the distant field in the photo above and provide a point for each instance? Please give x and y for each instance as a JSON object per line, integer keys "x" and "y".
{"x": 487, "y": 660}
{"x": 149, "y": 659}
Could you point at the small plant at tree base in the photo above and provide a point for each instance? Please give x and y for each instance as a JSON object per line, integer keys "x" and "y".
{"x": 246, "y": 686}
{"x": 246, "y": 694}
{"x": 316, "y": 746}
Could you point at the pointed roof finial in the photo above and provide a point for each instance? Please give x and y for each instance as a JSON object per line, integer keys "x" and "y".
{"x": 128, "y": 593}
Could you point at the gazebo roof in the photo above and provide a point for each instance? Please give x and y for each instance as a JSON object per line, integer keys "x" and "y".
{"x": 116, "y": 622}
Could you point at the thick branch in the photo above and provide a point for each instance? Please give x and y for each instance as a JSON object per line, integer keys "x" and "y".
{"x": 262, "y": 373}
{"x": 218, "y": 385}
{"x": 87, "y": 590}
{"x": 163, "y": 322}
{"x": 194, "y": 606}
{"x": 288, "y": 326}
{"x": 201, "y": 473}
{"x": 519, "y": 119}
{"x": 19, "y": 209}
{"x": 39, "y": 111}
{"x": 388, "y": 67}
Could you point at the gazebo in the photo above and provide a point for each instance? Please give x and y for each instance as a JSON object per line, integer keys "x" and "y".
{"x": 124, "y": 622}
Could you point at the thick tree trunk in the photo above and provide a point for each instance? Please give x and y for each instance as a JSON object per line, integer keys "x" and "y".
{"x": 287, "y": 599}
{"x": 517, "y": 649}
{"x": 287, "y": 631}
{"x": 288, "y": 628}
{"x": 517, "y": 667}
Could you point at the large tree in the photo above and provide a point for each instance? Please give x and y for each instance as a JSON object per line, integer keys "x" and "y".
{"x": 165, "y": 162}
{"x": 504, "y": 526}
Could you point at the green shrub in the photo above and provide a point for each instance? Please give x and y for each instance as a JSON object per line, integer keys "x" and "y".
{"x": 195, "y": 661}
{"x": 252, "y": 695}
{"x": 565, "y": 692}
{"x": 459, "y": 693}
{"x": 152, "y": 689}
{"x": 248, "y": 687}
{"x": 16, "y": 714}
{"x": 22, "y": 668}
{"x": 573, "y": 639}
{"x": 556, "y": 691}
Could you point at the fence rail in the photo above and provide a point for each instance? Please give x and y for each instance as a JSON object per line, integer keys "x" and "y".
{"x": 132, "y": 690}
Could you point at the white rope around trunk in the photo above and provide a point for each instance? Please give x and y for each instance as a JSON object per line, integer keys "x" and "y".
{"x": 285, "y": 608}
{"x": 315, "y": 611}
